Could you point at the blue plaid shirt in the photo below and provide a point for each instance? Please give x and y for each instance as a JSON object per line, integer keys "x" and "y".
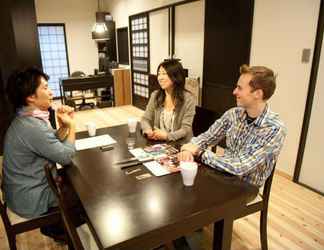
{"x": 251, "y": 149}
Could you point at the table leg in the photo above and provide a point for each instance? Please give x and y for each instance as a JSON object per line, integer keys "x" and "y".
{"x": 223, "y": 234}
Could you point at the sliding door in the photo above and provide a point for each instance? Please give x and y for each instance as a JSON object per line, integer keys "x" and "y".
{"x": 312, "y": 169}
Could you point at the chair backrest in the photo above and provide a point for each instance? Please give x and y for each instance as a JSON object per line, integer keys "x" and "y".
{"x": 267, "y": 187}
{"x": 77, "y": 74}
{"x": 23, "y": 225}
{"x": 203, "y": 119}
{"x": 192, "y": 85}
{"x": 57, "y": 188}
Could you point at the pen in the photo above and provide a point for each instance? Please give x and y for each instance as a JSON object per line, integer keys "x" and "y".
{"x": 135, "y": 163}
{"x": 106, "y": 148}
{"x": 131, "y": 164}
{"x": 126, "y": 160}
{"x": 132, "y": 171}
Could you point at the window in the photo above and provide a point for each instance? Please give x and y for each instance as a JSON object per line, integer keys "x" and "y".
{"x": 140, "y": 58}
{"x": 54, "y": 54}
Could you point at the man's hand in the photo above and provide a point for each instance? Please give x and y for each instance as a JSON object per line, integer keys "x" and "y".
{"x": 65, "y": 120}
{"x": 192, "y": 148}
{"x": 188, "y": 151}
{"x": 61, "y": 112}
{"x": 185, "y": 156}
{"x": 66, "y": 109}
{"x": 62, "y": 133}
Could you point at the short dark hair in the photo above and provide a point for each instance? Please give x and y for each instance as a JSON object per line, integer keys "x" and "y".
{"x": 176, "y": 74}
{"x": 22, "y": 84}
{"x": 262, "y": 78}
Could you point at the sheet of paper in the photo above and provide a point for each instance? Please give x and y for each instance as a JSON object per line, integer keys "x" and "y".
{"x": 93, "y": 142}
{"x": 156, "y": 168}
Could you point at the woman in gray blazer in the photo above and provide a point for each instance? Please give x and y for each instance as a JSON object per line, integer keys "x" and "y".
{"x": 170, "y": 111}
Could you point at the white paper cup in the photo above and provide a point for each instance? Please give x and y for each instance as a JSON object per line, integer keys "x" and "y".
{"x": 188, "y": 172}
{"x": 132, "y": 123}
{"x": 91, "y": 127}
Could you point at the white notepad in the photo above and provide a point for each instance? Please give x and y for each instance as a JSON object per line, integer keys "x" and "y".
{"x": 156, "y": 168}
{"x": 93, "y": 142}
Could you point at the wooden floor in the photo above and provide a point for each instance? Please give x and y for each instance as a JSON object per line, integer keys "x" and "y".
{"x": 296, "y": 214}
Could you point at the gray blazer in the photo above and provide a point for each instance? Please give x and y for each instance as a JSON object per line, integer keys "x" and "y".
{"x": 182, "y": 126}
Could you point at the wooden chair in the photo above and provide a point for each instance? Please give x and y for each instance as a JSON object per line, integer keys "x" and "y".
{"x": 80, "y": 236}
{"x": 203, "y": 119}
{"x": 261, "y": 203}
{"x": 20, "y": 225}
{"x": 74, "y": 240}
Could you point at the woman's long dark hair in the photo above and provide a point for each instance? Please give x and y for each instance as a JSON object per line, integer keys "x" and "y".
{"x": 176, "y": 74}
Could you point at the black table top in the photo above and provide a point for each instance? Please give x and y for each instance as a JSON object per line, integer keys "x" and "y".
{"x": 126, "y": 213}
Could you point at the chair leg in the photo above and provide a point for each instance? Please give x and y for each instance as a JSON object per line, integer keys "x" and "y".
{"x": 12, "y": 242}
{"x": 263, "y": 229}
{"x": 69, "y": 243}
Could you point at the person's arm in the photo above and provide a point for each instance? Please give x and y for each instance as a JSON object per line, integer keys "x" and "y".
{"x": 147, "y": 119}
{"x": 216, "y": 132}
{"x": 44, "y": 142}
{"x": 62, "y": 133}
{"x": 186, "y": 123}
{"x": 65, "y": 117}
{"x": 252, "y": 156}
{"x": 67, "y": 121}
{"x": 212, "y": 136}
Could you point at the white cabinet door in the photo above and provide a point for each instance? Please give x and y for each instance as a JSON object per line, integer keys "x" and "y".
{"x": 312, "y": 170}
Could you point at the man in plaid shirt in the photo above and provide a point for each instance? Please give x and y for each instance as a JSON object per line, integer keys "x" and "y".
{"x": 254, "y": 134}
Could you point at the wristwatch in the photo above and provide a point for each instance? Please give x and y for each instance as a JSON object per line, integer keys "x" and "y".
{"x": 199, "y": 154}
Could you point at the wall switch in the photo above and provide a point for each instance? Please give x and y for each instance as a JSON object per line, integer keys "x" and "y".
{"x": 306, "y": 55}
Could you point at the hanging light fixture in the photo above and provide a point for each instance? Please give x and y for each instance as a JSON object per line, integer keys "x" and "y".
{"x": 99, "y": 29}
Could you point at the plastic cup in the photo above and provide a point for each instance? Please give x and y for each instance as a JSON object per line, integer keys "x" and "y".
{"x": 132, "y": 124}
{"x": 91, "y": 127}
{"x": 188, "y": 171}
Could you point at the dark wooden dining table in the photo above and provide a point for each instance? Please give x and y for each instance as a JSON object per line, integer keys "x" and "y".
{"x": 127, "y": 213}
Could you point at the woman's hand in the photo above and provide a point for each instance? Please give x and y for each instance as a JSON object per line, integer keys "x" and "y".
{"x": 149, "y": 133}
{"x": 159, "y": 134}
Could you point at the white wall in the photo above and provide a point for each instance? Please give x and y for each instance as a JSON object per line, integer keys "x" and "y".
{"x": 189, "y": 30}
{"x": 158, "y": 38}
{"x": 189, "y": 36}
{"x": 281, "y": 29}
{"x": 122, "y": 9}
{"x": 79, "y": 17}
